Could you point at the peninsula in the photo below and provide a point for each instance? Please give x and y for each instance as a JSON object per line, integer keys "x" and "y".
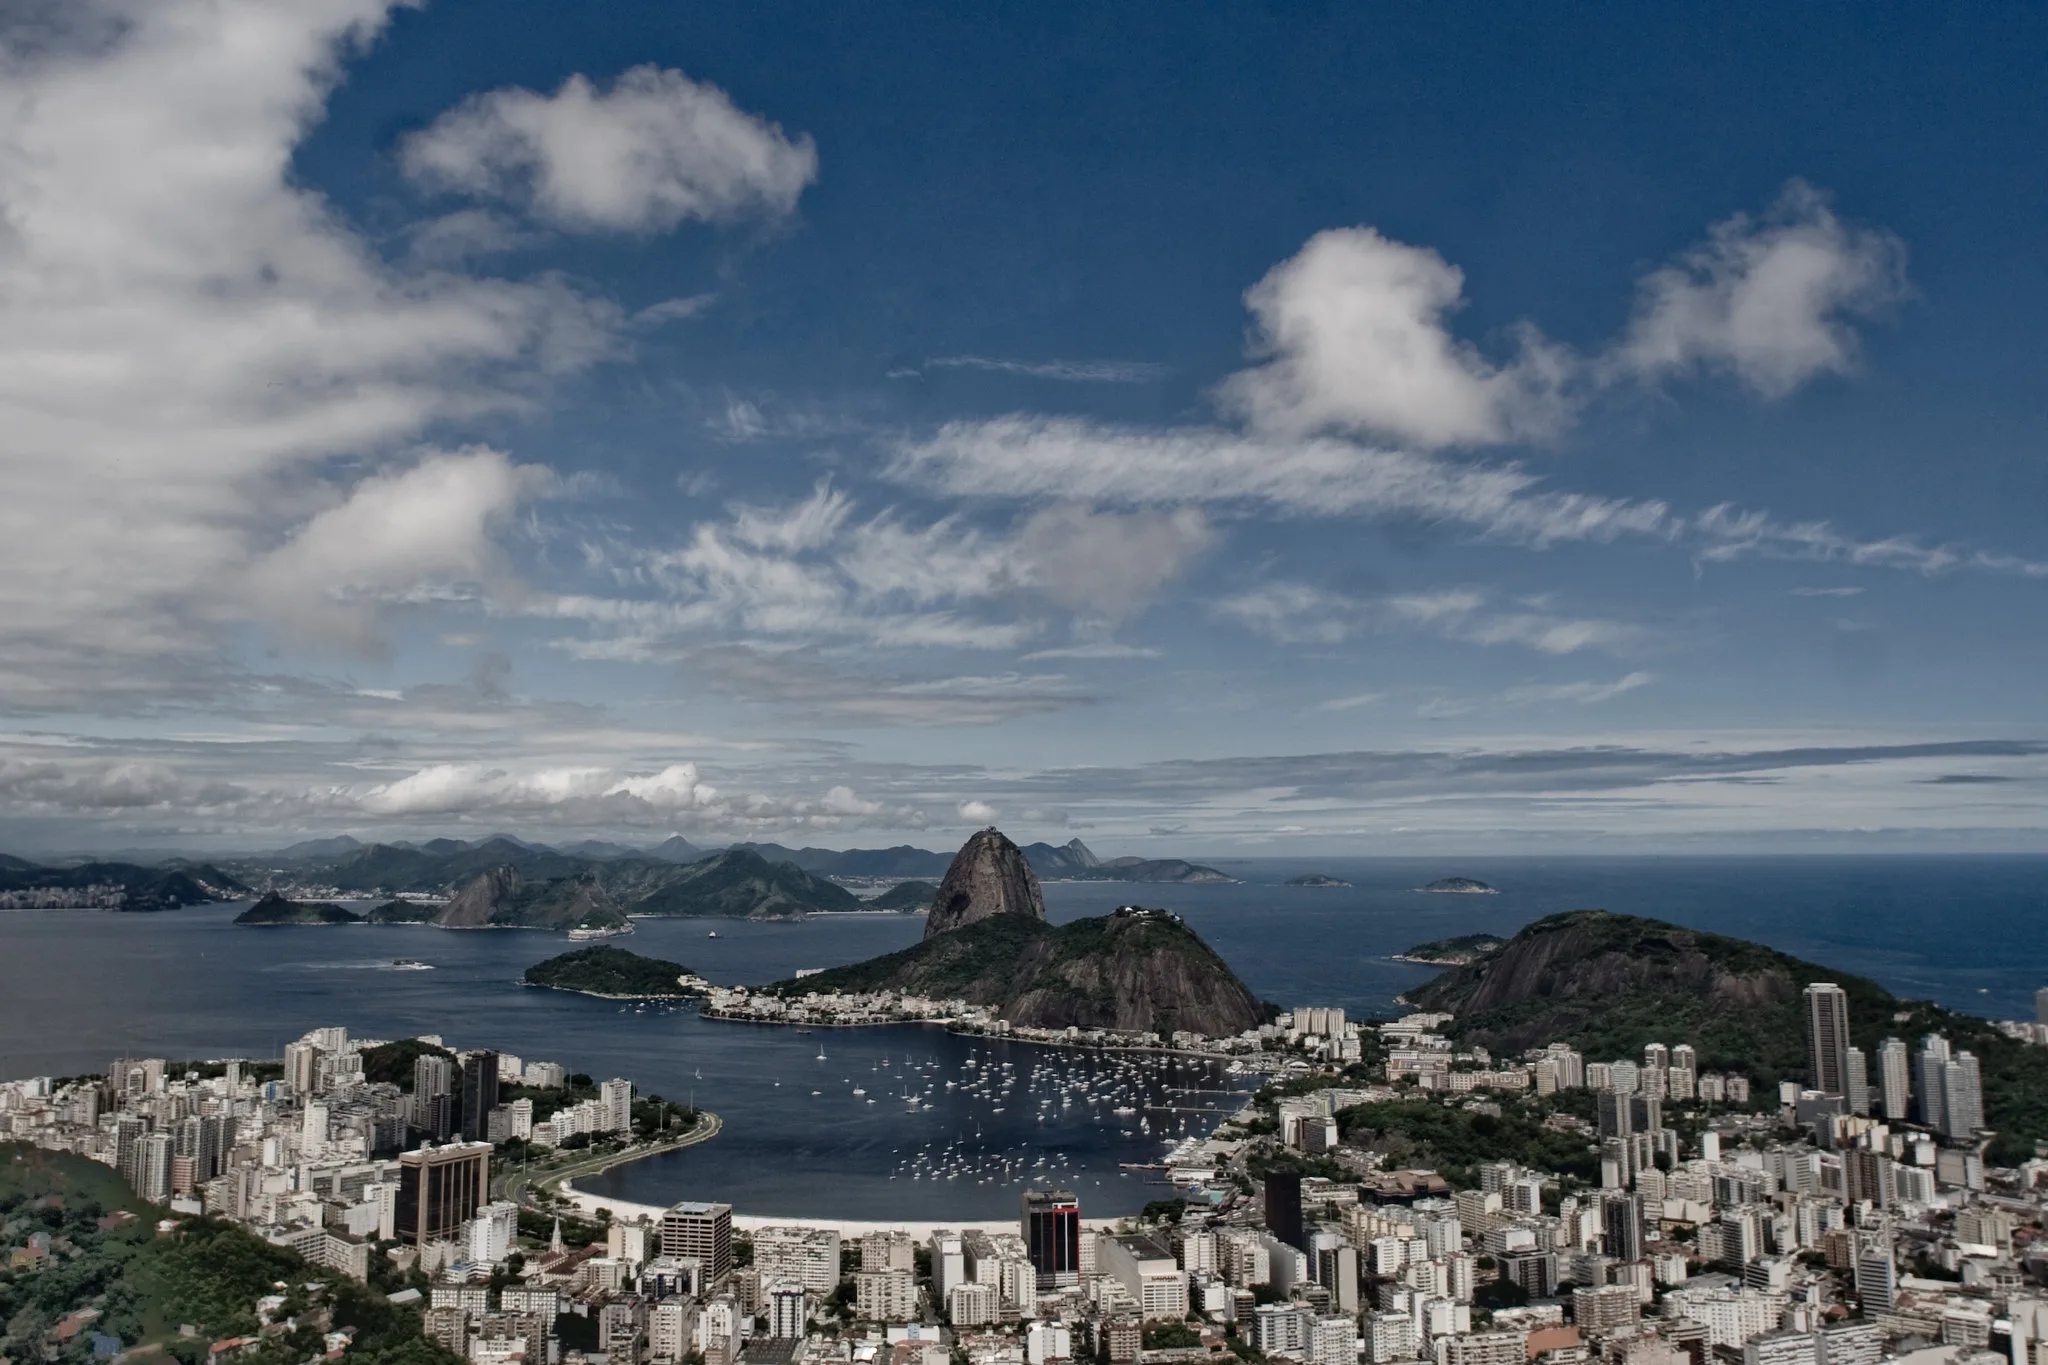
{"x": 1452, "y": 952}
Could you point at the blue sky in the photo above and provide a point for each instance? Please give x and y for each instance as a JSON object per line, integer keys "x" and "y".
{"x": 1200, "y": 429}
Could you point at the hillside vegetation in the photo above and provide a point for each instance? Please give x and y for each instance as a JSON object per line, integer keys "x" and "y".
{"x": 906, "y": 896}
{"x": 1608, "y": 984}
{"x": 275, "y": 910}
{"x": 144, "y": 1286}
{"x": 1144, "y": 971}
{"x": 607, "y": 971}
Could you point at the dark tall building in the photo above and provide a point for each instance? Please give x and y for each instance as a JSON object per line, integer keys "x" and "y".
{"x": 1621, "y": 1227}
{"x": 479, "y": 1094}
{"x": 433, "y": 1096}
{"x": 440, "y": 1189}
{"x": 1827, "y": 1036}
{"x": 1624, "y": 1115}
{"x": 1283, "y": 1210}
{"x": 1052, "y": 1231}
{"x": 702, "y": 1231}
{"x": 206, "y": 1140}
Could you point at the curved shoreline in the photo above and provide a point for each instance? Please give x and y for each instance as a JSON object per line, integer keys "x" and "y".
{"x": 522, "y": 1188}
{"x": 600, "y": 995}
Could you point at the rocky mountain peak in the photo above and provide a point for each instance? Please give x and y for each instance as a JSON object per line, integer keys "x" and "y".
{"x": 989, "y": 877}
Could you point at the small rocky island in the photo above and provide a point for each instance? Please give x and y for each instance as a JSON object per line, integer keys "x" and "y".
{"x": 275, "y": 911}
{"x": 1458, "y": 886}
{"x": 1452, "y": 952}
{"x": 1315, "y": 879}
{"x": 614, "y": 974}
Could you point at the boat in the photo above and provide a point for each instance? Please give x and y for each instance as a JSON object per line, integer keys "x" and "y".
{"x": 407, "y": 964}
{"x": 605, "y": 931}
{"x": 712, "y": 934}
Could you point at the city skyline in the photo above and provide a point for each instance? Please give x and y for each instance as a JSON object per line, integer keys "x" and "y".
{"x": 1232, "y": 432}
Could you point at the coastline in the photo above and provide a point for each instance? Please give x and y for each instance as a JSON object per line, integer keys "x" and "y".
{"x": 922, "y": 1228}
{"x": 588, "y": 1204}
{"x": 600, "y": 995}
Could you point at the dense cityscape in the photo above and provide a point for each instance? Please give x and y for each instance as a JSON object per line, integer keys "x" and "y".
{"x": 1692, "y": 1218}
{"x": 741, "y": 682}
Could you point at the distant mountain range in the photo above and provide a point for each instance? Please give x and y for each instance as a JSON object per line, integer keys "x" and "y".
{"x": 502, "y": 880}
{"x": 439, "y": 864}
{"x": 114, "y": 886}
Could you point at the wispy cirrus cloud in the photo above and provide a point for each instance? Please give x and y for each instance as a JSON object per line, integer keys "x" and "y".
{"x": 1036, "y": 457}
{"x": 813, "y": 571}
{"x": 1066, "y": 371}
{"x": 1301, "y": 613}
{"x": 1580, "y": 693}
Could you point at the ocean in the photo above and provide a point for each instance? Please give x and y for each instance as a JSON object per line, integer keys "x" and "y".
{"x": 78, "y": 988}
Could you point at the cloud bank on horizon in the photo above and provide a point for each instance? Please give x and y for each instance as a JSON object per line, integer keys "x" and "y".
{"x": 527, "y": 467}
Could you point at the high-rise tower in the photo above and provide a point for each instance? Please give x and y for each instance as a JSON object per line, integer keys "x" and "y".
{"x": 1827, "y": 1036}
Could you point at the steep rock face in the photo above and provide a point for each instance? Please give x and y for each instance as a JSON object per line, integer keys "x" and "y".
{"x": 503, "y": 898}
{"x": 474, "y": 906}
{"x": 989, "y": 877}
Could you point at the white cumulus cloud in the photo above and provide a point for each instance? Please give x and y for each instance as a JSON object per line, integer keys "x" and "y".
{"x": 1769, "y": 300}
{"x": 1354, "y": 330}
{"x": 654, "y": 150}
{"x": 197, "y": 354}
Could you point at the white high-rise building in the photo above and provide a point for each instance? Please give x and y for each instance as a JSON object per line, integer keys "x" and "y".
{"x": 671, "y": 1331}
{"x": 153, "y": 1167}
{"x": 1857, "y": 1078}
{"x": 615, "y": 1097}
{"x": 313, "y": 1127}
{"x": 787, "y": 1311}
{"x": 1894, "y": 1080}
{"x": 489, "y": 1235}
{"x": 1045, "y": 1341}
{"x": 1877, "y": 1280}
{"x": 805, "y": 1256}
{"x": 1962, "y": 1096}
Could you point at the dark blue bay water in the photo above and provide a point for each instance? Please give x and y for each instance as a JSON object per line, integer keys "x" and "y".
{"x": 78, "y": 988}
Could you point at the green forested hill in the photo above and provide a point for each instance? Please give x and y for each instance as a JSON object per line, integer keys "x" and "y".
{"x": 146, "y": 1286}
{"x": 1144, "y": 971}
{"x": 907, "y": 896}
{"x": 274, "y": 909}
{"x": 1608, "y": 984}
{"x": 609, "y": 971}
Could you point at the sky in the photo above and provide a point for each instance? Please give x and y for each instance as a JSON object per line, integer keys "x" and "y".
{"x": 1198, "y": 429}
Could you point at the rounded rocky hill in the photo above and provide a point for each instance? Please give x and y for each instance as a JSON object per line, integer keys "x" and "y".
{"x": 989, "y": 877}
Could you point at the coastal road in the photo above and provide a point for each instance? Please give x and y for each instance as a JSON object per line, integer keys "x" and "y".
{"x": 525, "y": 1183}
